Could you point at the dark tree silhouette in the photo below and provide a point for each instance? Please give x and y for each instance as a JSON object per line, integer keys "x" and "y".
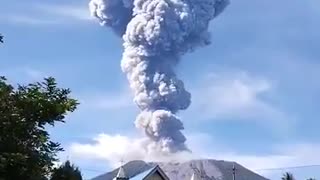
{"x": 287, "y": 176}
{"x": 26, "y": 151}
{"x": 66, "y": 171}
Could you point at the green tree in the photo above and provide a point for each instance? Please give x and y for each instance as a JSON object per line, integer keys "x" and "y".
{"x": 66, "y": 171}
{"x": 26, "y": 150}
{"x": 287, "y": 176}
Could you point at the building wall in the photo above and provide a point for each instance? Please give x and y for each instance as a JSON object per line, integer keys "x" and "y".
{"x": 155, "y": 176}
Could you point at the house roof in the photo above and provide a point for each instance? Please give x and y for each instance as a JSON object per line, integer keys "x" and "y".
{"x": 121, "y": 173}
{"x": 195, "y": 176}
{"x": 150, "y": 171}
{"x": 143, "y": 174}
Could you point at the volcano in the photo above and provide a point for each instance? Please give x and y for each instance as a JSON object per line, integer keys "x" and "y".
{"x": 209, "y": 169}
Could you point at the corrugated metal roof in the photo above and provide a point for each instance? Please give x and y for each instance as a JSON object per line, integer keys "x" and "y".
{"x": 143, "y": 174}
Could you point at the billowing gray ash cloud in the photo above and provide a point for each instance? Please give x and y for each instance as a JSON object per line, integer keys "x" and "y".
{"x": 156, "y": 33}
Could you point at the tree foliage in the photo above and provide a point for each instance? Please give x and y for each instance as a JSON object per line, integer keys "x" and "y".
{"x": 66, "y": 171}
{"x": 26, "y": 151}
{"x": 287, "y": 176}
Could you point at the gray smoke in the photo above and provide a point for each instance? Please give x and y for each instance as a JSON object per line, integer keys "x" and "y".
{"x": 156, "y": 33}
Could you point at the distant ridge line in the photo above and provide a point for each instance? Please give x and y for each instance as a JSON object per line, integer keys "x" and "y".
{"x": 288, "y": 167}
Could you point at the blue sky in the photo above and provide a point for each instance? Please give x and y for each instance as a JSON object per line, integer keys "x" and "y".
{"x": 255, "y": 88}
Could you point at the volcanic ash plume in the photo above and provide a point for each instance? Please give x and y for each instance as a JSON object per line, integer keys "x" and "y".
{"x": 156, "y": 33}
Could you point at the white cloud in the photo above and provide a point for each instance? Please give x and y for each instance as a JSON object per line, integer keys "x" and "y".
{"x": 27, "y": 19}
{"x": 107, "y": 147}
{"x": 231, "y": 94}
{"x": 67, "y": 11}
{"x": 45, "y": 14}
{"x": 113, "y": 148}
{"x": 239, "y": 96}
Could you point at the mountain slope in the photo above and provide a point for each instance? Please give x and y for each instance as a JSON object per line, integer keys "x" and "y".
{"x": 209, "y": 168}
